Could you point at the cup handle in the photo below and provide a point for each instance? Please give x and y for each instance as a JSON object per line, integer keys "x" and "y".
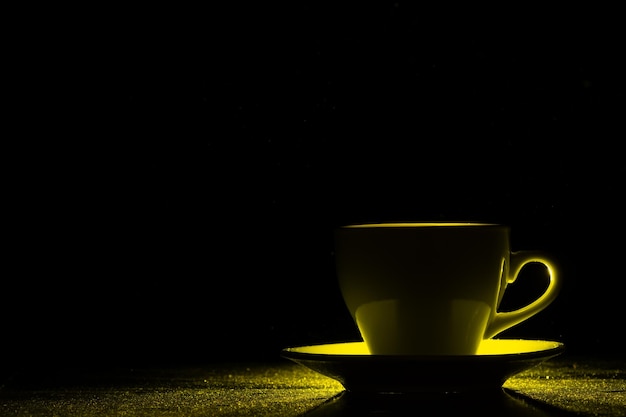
{"x": 505, "y": 320}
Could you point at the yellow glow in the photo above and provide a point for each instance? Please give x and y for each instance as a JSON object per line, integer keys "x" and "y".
{"x": 348, "y": 348}
{"x": 487, "y": 347}
{"x": 416, "y": 224}
{"x": 514, "y": 346}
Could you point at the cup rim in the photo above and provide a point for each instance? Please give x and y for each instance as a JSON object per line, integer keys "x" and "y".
{"x": 425, "y": 224}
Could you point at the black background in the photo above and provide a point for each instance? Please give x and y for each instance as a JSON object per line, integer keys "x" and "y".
{"x": 179, "y": 174}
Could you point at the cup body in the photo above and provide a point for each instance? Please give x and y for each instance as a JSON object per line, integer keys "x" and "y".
{"x": 422, "y": 288}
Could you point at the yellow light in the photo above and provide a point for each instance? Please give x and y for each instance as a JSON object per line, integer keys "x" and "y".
{"x": 348, "y": 348}
{"x": 513, "y": 346}
{"x": 487, "y": 347}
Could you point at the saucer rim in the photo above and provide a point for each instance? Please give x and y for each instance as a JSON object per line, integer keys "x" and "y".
{"x": 292, "y": 352}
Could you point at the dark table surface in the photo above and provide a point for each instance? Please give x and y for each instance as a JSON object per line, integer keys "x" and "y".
{"x": 562, "y": 386}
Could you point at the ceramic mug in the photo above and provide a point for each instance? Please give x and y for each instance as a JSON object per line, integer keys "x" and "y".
{"x": 432, "y": 288}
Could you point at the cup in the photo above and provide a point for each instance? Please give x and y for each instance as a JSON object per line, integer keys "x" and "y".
{"x": 432, "y": 288}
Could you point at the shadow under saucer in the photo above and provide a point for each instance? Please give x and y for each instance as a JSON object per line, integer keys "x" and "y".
{"x": 493, "y": 403}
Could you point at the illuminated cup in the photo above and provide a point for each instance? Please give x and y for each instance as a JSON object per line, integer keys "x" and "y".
{"x": 432, "y": 288}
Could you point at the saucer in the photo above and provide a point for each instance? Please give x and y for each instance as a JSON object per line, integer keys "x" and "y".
{"x": 351, "y": 364}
